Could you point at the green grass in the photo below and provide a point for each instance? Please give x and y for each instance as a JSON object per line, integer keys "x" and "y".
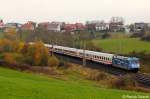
{"x": 17, "y": 85}
{"x": 123, "y": 45}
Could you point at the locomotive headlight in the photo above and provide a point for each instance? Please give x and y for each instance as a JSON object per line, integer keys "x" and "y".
{"x": 135, "y": 65}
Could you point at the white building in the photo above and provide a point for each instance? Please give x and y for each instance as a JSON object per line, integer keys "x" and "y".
{"x": 102, "y": 26}
{"x": 54, "y": 27}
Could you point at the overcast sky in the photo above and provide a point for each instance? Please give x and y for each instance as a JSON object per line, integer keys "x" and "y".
{"x": 74, "y": 10}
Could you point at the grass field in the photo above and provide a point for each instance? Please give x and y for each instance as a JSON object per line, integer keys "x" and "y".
{"x": 17, "y": 85}
{"x": 123, "y": 45}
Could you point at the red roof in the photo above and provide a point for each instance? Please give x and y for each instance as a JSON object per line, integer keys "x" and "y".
{"x": 28, "y": 26}
{"x": 70, "y": 27}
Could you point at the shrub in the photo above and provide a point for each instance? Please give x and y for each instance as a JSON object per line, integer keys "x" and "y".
{"x": 9, "y": 58}
{"x": 37, "y": 54}
{"x": 6, "y": 45}
{"x": 105, "y": 35}
{"x": 95, "y": 75}
{"x": 125, "y": 82}
{"x": 90, "y": 74}
{"x": 53, "y": 61}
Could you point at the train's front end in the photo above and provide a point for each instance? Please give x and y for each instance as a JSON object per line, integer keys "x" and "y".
{"x": 134, "y": 63}
{"x": 128, "y": 63}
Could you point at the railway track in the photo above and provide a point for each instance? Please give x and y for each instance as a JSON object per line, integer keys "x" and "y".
{"x": 143, "y": 79}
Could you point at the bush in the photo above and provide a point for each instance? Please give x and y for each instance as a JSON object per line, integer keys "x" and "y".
{"x": 12, "y": 58}
{"x": 37, "y": 54}
{"x": 53, "y": 61}
{"x": 95, "y": 75}
{"x": 105, "y": 35}
{"x": 125, "y": 82}
{"x": 9, "y": 58}
{"x": 6, "y": 45}
{"x": 90, "y": 74}
{"x": 19, "y": 52}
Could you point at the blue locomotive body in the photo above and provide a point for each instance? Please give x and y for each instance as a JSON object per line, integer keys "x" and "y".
{"x": 128, "y": 63}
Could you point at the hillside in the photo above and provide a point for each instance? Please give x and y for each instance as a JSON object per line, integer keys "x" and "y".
{"x": 123, "y": 45}
{"x": 17, "y": 85}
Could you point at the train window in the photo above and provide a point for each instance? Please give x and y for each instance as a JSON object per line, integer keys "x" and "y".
{"x": 107, "y": 59}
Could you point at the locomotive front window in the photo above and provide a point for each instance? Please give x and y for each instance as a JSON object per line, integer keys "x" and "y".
{"x": 135, "y": 61}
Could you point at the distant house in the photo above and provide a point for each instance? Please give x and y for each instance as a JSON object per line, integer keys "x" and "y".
{"x": 148, "y": 27}
{"x": 139, "y": 26}
{"x": 28, "y": 26}
{"x": 97, "y": 26}
{"x": 70, "y": 27}
{"x": 116, "y": 27}
{"x": 9, "y": 26}
{"x": 102, "y": 26}
{"x": 51, "y": 26}
{"x": 54, "y": 26}
{"x": 79, "y": 27}
{"x": 43, "y": 25}
{"x": 116, "y": 24}
{"x": 91, "y": 25}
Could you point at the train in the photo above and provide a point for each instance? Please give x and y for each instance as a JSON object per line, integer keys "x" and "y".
{"x": 122, "y": 62}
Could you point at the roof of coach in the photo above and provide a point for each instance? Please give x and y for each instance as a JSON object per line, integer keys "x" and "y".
{"x": 86, "y": 51}
{"x": 66, "y": 48}
{"x": 99, "y": 53}
{"x": 47, "y": 45}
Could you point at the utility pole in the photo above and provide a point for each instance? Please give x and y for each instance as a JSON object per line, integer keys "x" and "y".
{"x": 52, "y": 48}
{"x": 120, "y": 47}
{"x": 84, "y": 56}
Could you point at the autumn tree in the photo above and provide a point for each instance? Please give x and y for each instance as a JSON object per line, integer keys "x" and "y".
{"x": 37, "y": 54}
